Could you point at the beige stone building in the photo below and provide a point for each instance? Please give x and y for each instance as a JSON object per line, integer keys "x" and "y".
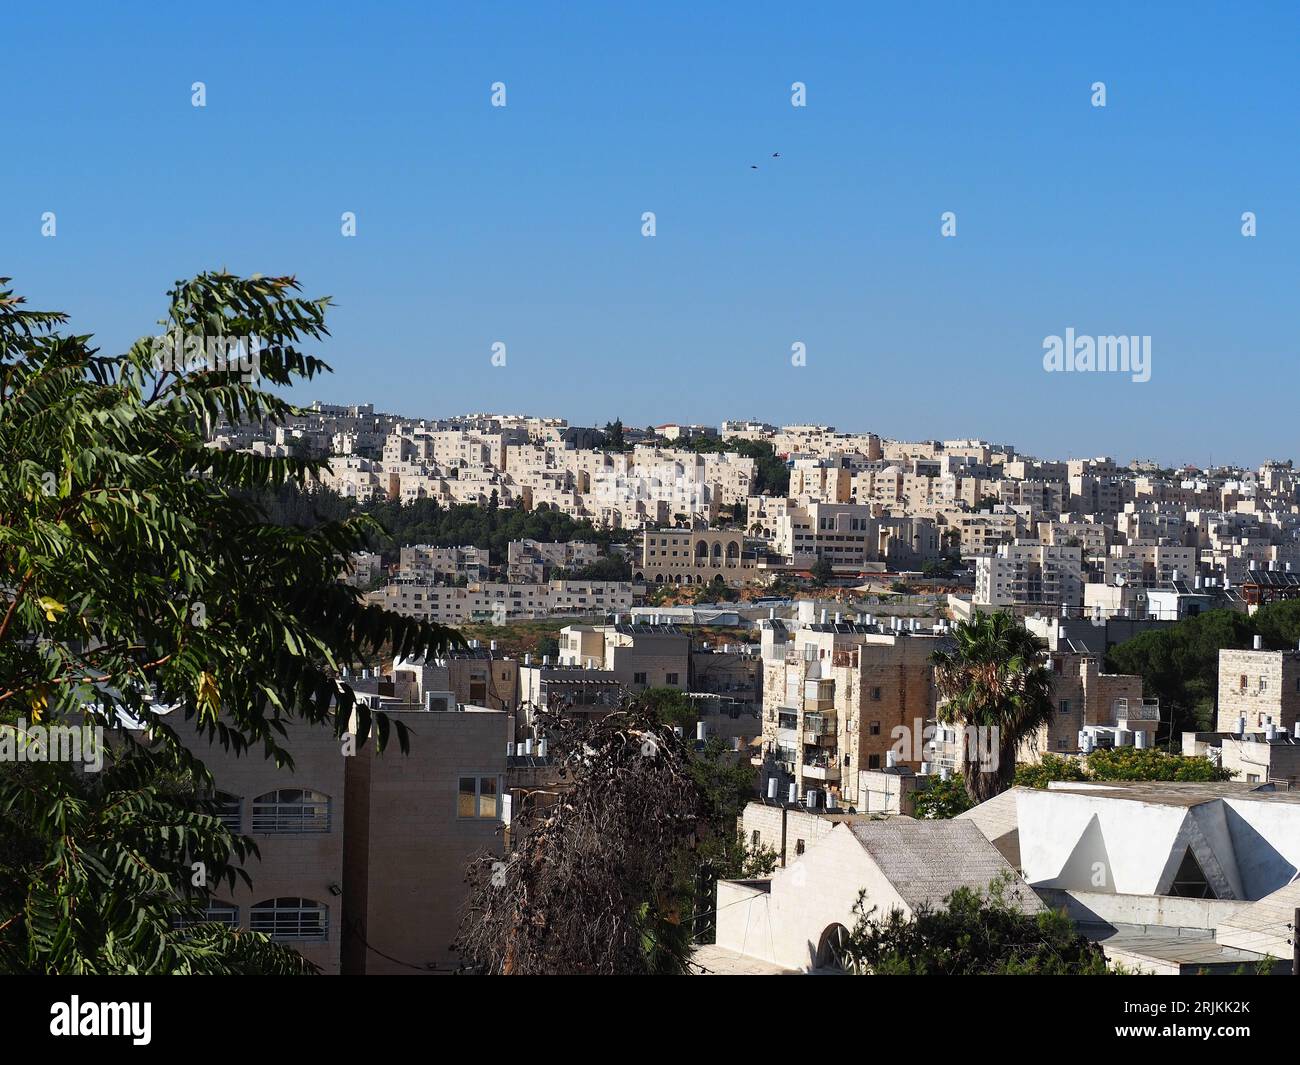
{"x": 297, "y": 819}
{"x": 694, "y": 556}
{"x": 841, "y": 698}
{"x": 412, "y": 824}
{"x": 1083, "y": 699}
{"x": 1261, "y": 687}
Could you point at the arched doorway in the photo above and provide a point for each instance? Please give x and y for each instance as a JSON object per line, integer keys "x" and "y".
{"x": 832, "y": 950}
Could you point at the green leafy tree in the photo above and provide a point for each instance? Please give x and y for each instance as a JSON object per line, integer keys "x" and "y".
{"x": 995, "y": 679}
{"x": 672, "y": 706}
{"x": 1051, "y": 767}
{"x": 140, "y": 583}
{"x": 1121, "y": 763}
{"x": 614, "y": 436}
{"x": 822, "y": 571}
{"x": 973, "y": 934}
{"x": 1129, "y": 763}
{"x": 942, "y": 799}
{"x": 726, "y": 783}
{"x": 1179, "y": 664}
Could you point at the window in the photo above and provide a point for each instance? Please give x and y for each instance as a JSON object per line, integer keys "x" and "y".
{"x": 798, "y": 846}
{"x": 638, "y": 678}
{"x": 874, "y": 728}
{"x": 291, "y": 810}
{"x": 671, "y": 678}
{"x": 218, "y": 912}
{"x": 1190, "y": 881}
{"x": 1064, "y": 706}
{"x": 873, "y": 761}
{"x": 875, "y": 695}
{"x": 304, "y": 920}
{"x": 230, "y": 810}
{"x": 755, "y": 838}
{"x": 478, "y": 797}
{"x": 1245, "y": 682}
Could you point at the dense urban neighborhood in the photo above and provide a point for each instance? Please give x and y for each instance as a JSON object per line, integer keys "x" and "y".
{"x": 796, "y": 600}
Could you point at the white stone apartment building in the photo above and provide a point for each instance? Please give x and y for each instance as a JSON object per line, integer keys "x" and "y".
{"x": 499, "y": 602}
{"x": 1030, "y": 573}
{"x": 425, "y": 562}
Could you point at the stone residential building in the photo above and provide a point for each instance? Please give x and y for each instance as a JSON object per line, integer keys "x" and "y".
{"x": 694, "y": 556}
{"x": 413, "y": 821}
{"x": 841, "y": 698}
{"x": 1261, "y": 687}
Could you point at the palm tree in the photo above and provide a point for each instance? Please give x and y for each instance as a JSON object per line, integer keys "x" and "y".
{"x": 996, "y": 679}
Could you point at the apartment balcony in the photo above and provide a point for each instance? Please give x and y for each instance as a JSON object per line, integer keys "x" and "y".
{"x": 819, "y": 723}
{"x": 822, "y": 769}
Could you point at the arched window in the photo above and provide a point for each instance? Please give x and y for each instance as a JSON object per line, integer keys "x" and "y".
{"x": 225, "y": 913}
{"x": 230, "y": 809}
{"x": 291, "y": 810}
{"x": 303, "y": 920}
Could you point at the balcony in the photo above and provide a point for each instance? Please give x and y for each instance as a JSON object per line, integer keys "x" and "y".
{"x": 815, "y": 722}
{"x": 821, "y": 769}
{"x": 1130, "y": 710}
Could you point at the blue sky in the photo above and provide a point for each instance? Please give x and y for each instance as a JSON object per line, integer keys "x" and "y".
{"x": 523, "y": 224}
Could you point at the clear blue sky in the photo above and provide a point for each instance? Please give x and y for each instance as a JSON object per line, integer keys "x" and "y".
{"x": 522, "y": 225}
